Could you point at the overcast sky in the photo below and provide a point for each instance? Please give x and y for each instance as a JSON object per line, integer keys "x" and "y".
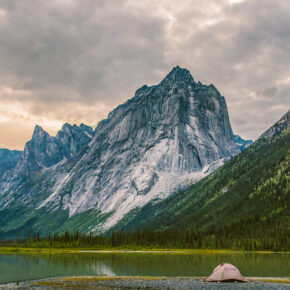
{"x": 75, "y": 60}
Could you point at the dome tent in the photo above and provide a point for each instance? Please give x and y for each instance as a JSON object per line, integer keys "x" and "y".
{"x": 225, "y": 273}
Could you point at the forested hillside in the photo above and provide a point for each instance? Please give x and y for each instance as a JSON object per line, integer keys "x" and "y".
{"x": 247, "y": 198}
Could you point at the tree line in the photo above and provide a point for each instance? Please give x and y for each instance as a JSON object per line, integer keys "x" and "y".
{"x": 226, "y": 238}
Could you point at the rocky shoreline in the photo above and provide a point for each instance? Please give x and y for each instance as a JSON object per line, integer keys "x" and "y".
{"x": 105, "y": 282}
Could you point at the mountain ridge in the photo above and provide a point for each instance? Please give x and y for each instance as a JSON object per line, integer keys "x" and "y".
{"x": 279, "y": 126}
{"x": 165, "y": 138}
{"x": 41, "y": 153}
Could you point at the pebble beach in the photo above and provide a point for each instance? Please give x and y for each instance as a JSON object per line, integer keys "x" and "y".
{"x": 141, "y": 283}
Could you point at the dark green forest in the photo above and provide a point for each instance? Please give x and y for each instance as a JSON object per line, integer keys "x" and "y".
{"x": 149, "y": 239}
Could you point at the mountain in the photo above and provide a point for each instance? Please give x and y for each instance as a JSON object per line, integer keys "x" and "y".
{"x": 44, "y": 151}
{"x": 8, "y": 159}
{"x": 243, "y": 144}
{"x": 41, "y": 153}
{"x": 167, "y": 137}
{"x": 247, "y": 197}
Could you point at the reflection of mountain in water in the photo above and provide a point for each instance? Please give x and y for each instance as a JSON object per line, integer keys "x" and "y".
{"x": 99, "y": 268}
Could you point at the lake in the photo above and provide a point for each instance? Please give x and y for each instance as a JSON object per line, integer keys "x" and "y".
{"x": 20, "y": 267}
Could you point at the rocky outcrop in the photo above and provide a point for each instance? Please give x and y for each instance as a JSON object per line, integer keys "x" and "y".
{"x": 279, "y": 126}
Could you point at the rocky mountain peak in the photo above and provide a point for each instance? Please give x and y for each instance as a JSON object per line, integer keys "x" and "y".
{"x": 44, "y": 151}
{"x": 89, "y": 130}
{"x": 39, "y": 132}
{"x": 177, "y": 78}
{"x": 66, "y": 126}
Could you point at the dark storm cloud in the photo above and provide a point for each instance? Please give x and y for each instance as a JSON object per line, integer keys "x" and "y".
{"x": 69, "y": 60}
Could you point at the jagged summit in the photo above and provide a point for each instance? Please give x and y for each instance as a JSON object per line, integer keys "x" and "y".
{"x": 39, "y": 132}
{"x": 68, "y": 126}
{"x": 177, "y": 76}
{"x": 44, "y": 151}
{"x": 89, "y": 130}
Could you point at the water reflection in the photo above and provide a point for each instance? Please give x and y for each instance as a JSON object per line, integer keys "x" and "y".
{"x": 16, "y": 267}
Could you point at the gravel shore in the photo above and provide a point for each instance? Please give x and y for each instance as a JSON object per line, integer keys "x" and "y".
{"x": 138, "y": 283}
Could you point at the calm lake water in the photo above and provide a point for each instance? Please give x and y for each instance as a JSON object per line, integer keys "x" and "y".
{"x": 19, "y": 267}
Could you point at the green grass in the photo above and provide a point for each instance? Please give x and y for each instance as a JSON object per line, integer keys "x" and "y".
{"x": 24, "y": 250}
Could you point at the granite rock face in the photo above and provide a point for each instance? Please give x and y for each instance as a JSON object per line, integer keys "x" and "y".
{"x": 165, "y": 138}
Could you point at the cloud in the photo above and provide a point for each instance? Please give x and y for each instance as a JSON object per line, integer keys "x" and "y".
{"x": 71, "y": 60}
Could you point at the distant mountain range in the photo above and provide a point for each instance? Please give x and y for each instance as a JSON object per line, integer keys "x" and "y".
{"x": 8, "y": 159}
{"x": 148, "y": 150}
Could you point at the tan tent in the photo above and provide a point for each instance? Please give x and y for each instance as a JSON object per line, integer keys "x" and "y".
{"x": 225, "y": 273}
